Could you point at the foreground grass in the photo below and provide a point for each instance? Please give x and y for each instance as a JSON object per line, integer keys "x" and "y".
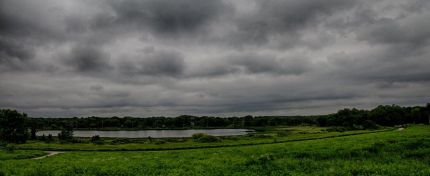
{"x": 20, "y": 154}
{"x": 405, "y": 152}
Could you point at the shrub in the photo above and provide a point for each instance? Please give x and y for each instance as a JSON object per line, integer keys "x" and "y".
{"x": 120, "y": 141}
{"x": 160, "y": 141}
{"x": 261, "y": 136}
{"x": 337, "y": 129}
{"x": 96, "y": 140}
{"x": 3, "y": 144}
{"x": 368, "y": 124}
{"x": 200, "y": 137}
{"x": 197, "y": 136}
{"x": 42, "y": 138}
{"x": 49, "y": 139}
{"x": 175, "y": 140}
{"x": 66, "y": 134}
{"x": 12, "y": 126}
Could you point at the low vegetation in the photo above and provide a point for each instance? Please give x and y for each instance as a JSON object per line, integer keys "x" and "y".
{"x": 201, "y": 137}
{"x": 394, "y": 152}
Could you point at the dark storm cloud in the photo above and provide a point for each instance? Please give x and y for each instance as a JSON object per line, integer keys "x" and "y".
{"x": 88, "y": 59}
{"x": 159, "y": 63}
{"x": 11, "y": 50}
{"x": 387, "y": 64}
{"x": 161, "y": 57}
{"x": 284, "y": 18}
{"x": 410, "y": 30}
{"x": 163, "y": 16}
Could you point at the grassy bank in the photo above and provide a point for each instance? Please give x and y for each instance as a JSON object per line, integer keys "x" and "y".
{"x": 264, "y": 136}
{"x": 405, "y": 152}
{"x": 20, "y": 154}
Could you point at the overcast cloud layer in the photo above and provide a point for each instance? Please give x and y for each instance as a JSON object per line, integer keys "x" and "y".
{"x": 216, "y": 57}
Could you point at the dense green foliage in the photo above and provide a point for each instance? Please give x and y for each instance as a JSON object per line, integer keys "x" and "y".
{"x": 66, "y": 134}
{"x": 398, "y": 152}
{"x": 201, "y": 137}
{"x": 387, "y": 115}
{"x": 13, "y": 126}
{"x": 268, "y": 136}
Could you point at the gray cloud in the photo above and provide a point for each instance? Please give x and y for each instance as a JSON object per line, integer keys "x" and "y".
{"x": 253, "y": 63}
{"x": 160, "y": 57}
{"x": 11, "y": 50}
{"x": 284, "y": 19}
{"x": 87, "y": 59}
{"x": 409, "y": 29}
{"x": 160, "y": 63}
{"x": 164, "y": 17}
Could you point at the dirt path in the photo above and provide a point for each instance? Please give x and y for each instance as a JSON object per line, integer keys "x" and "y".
{"x": 50, "y": 153}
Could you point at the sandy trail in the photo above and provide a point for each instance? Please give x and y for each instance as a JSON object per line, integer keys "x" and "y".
{"x": 50, "y": 153}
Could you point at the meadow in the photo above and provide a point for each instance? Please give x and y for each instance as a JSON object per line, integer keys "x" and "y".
{"x": 390, "y": 152}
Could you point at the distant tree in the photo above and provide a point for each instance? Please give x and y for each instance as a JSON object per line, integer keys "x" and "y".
{"x": 369, "y": 124}
{"x": 12, "y": 126}
{"x": 96, "y": 140}
{"x": 66, "y": 133}
{"x": 201, "y": 137}
{"x": 33, "y": 132}
{"x": 428, "y": 113}
{"x": 50, "y": 138}
{"x": 43, "y": 137}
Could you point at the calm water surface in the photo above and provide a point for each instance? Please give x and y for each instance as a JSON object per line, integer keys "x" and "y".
{"x": 152, "y": 133}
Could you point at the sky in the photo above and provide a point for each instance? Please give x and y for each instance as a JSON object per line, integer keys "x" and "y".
{"x": 215, "y": 57}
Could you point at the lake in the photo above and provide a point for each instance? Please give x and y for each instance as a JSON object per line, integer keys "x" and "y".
{"x": 152, "y": 133}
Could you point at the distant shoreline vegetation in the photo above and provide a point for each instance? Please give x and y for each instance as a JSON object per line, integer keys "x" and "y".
{"x": 383, "y": 115}
{"x": 17, "y": 127}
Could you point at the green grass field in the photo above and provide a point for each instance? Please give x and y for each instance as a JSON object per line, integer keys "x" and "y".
{"x": 405, "y": 152}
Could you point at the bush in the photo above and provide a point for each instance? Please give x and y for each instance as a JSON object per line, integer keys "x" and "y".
{"x": 175, "y": 140}
{"x": 197, "y": 136}
{"x": 159, "y": 141}
{"x": 66, "y": 134}
{"x": 120, "y": 141}
{"x": 49, "y": 139}
{"x": 368, "y": 124}
{"x": 3, "y": 144}
{"x": 12, "y": 126}
{"x": 42, "y": 138}
{"x": 337, "y": 129}
{"x": 96, "y": 140}
{"x": 263, "y": 136}
{"x": 201, "y": 137}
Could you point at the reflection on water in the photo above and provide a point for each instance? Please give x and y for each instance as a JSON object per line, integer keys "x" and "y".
{"x": 152, "y": 133}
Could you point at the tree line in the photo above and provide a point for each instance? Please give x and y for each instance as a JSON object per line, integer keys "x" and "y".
{"x": 17, "y": 127}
